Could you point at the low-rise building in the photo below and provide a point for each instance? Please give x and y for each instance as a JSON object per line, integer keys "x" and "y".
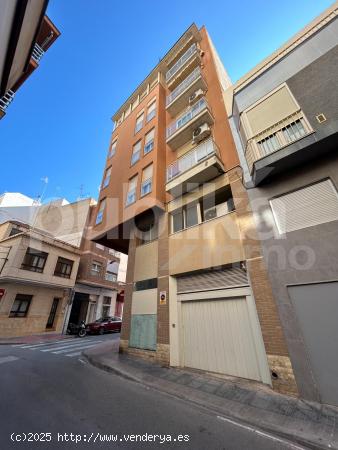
{"x": 37, "y": 276}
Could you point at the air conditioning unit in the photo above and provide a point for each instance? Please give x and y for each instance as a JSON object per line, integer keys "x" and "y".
{"x": 201, "y": 132}
{"x": 196, "y": 96}
{"x": 210, "y": 213}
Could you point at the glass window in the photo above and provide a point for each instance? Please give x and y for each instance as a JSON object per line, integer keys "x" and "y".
{"x": 294, "y": 131}
{"x": 106, "y": 178}
{"x": 145, "y": 284}
{"x": 63, "y": 267}
{"x": 147, "y": 176}
{"x": 139, "y": 123}
{"x": 100, "y": 213}
{"x": 112, "y": 149}
{"x": 131, "y": 194}
{"x": 191, "y": 215}
{"x": 149, "y": 141}
{"x": 34, "y": 260}
{"x": 178, "y": 222}
{"x": 269, "y": 144}
{"x": 136, "y": 153}
{"x": 96, "y": 268}
{"x": 20, "y": 305}
{"x": 151, "y": 111}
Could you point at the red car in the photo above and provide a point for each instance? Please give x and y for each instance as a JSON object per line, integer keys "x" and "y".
{"x": 104, "y": 325}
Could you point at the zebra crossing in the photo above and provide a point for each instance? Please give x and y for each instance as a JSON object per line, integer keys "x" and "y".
{"x": 64, "y": 347}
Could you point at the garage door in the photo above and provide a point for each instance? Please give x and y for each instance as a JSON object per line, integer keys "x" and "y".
{"x": 217, "y": 336}
{"x": 316, "y": 307}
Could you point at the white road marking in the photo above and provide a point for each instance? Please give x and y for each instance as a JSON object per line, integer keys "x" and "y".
{"x": 32, "y": 346}
{"x": 65, "y": 346}
{"x": 5, "y": 359}
{"x": 261, "y": 433}
{"x": 74, "y": 354}
{"x": 77, "y": 348}
{"x": 81, "y": 360}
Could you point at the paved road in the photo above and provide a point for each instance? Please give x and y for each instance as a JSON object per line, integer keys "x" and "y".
{"x": 56, "y": 392}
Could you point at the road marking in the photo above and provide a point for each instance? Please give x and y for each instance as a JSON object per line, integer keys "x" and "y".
{"x": 77, "y": 348}
{"x": 81, "y": 360}
{"x": 74, "y": 354}
{"x": 5, "y": 359}
{"x": 261, "y": 433}
{"x": 66, "y": 346}
{"x": 41, "y": 344}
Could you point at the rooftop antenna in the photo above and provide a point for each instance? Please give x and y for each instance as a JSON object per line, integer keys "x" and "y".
{"x": 82, "y": 193}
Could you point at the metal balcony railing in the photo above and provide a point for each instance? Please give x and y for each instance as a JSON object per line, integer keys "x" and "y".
{"x": 289, "y": 130}
{"x": 184, "y": 85}
{"x": 38, "y": 53}
{"x": 191, "y": 159}
{"x": 6, "y": 100}
{"x": 186, "y": 117}
{"x": 180, "y": 63}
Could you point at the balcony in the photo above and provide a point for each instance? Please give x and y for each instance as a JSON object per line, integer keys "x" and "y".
{"x": 179, "y": 97}
{"x": 181, "y": 130}
{"x": 198, "y": 166}
{"x": 188, "y": 61}
{"x": 38, "y": 53}
{"x": 264, "y": 152}
{"x": 5, "y": 101}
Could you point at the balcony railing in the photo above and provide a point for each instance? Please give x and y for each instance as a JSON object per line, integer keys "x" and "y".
{"x": 184, "y": 85}
{"x": 6, "y": 100}
{"x": 287, "y": 131}
{"x": 191, "y": 159}
{"x": 180, "y": 63}
{"x": 186, "y": 117}
{"x": 38, "y": 53}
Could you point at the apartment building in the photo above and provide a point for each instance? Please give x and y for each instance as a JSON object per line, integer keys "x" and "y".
{"x": 26, "y": 33}
{"x": 37, "y": 274}
{"x": 284, "y": 118}
{"x": 94, "y": 292}
{"x": 197, "y": 291}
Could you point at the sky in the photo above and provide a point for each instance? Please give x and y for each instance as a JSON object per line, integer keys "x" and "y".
{"x": 59, "y": 124}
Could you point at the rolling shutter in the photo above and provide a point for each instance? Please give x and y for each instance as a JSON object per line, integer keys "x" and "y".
{"x": 306, "y": 207}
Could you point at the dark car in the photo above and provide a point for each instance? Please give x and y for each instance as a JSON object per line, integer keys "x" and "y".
{"x": 105, "y": 325}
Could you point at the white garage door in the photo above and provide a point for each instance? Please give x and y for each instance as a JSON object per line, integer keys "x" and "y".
{"x": 217, "y": 336}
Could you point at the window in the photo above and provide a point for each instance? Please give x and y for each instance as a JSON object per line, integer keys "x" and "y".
{"x": 306, "y": 207}
{"x": 269, "y": 144}
{"x": 20, "y": 305}
{"x": 63, "y": 267}
{"x": 100, "y": 213}
{"x": 34, "y": 260}
{"x": 151, "y": 111}
{"x": 96, "y": 269}
{"x": 106, "y": 178}
{"x": 112, "y": 149}
{"x": 131, "y": 194}
{"x": 294, "y": 131}
{"x": 145, "y": 284}
{"x": 191, "y": 215}
{"x": 106, "y": 306}
{"x": 110, "y": 276}
{"x": 149, "y": 141}
{"x": 136, "y": 153}
{"x": 147, "y": 175}
{"x": 139, "y": 123}
{"x": 178, "y": 221}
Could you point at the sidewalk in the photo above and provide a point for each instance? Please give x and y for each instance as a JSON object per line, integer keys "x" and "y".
{"x": 34, "y": 339}
{"x": 253, "y": 404}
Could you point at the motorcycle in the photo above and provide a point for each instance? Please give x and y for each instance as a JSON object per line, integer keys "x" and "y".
{"x": 79, "y": 329}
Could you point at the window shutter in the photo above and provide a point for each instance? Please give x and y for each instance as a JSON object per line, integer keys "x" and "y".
{"x": 306, "y": 207}
{"x": 150, "y": 135}
{"x": 147, "y": 173}
{"x": 133, "y": 183}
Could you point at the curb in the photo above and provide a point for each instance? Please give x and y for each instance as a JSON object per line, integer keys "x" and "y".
{"x": 291, "y": 438}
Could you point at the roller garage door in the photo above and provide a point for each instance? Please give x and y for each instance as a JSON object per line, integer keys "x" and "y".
{"x": 221, "y": 335}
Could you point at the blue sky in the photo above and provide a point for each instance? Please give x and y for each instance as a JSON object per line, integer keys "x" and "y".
{"x": 59, "y": 123}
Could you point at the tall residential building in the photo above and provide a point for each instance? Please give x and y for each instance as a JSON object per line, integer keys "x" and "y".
{"x": 284, "y": 116}
{"x": 26, "y": 33}
{"x": 197, "y": 291}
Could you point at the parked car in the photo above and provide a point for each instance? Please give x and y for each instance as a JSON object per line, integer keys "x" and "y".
{"x": 104, "y": 325}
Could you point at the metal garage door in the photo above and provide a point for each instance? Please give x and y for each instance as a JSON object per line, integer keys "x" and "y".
{"x": 316, "y": 307}
{"x": 217, "y": 336}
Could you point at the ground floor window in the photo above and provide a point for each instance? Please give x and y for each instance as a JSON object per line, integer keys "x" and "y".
{"x": 21, "y": 305}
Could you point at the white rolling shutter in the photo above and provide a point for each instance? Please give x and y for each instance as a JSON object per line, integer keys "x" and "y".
{"x": 306, "y": 207}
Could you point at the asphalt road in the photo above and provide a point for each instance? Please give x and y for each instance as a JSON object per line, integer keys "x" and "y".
{"x": 49, "y": 389}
